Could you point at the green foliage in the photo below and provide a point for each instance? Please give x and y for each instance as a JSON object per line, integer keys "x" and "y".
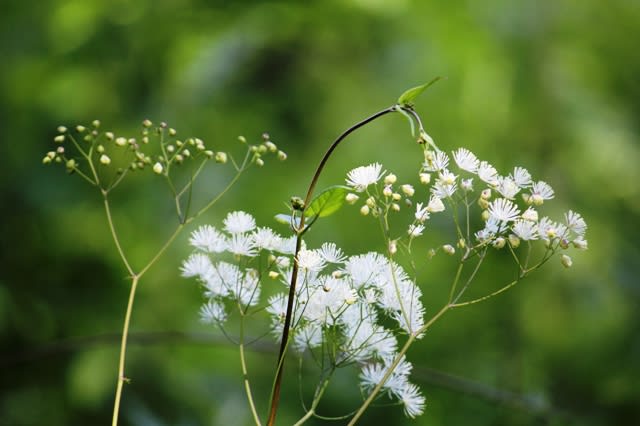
{"x": 407, "y": 98}
{"x": 327, "y": 202}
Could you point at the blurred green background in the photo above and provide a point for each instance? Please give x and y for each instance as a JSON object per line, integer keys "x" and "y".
{"x": 551, "y": 86}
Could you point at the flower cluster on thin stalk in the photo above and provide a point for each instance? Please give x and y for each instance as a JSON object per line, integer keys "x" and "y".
{"x": 103, "y": 158}
{"x": 348, "y": 310}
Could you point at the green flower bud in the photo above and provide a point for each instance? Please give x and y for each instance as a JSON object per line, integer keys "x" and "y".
{"x": 282, "y": 155}
{"x": 271, "y": 146}
{"x": 242, "y": 139}
{"x": 62, "y": 129}
{"x": 514, "y": 241}
{"x": 259, "y": 162}
{"x": 172, "y": 132}
{"x": 209, "y": 154}
{"x": 121, "y": 141}
{"x": 105, "y": 160}
{"x": 59, "y": 139}
{"x": 449, "y": 249}
{"x": 157, "y": 168}
{"x": 147, "y": 123}
{"x": 566, "y": 261}
{"x": 100, "y": 149}
{"x": 70, "y": 165}
{"x": 221, "y": 157}
{"x": 80, "y": 128}
{"x": 109, "y": 136}
{"x": 95, "y": 123}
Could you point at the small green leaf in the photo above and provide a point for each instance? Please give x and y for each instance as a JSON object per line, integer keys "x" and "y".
{"x": 407, "y": 98}
{"x": 327, "y": 202}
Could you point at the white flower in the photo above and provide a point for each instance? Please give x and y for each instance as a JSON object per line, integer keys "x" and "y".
{"x": 422, "y": 213}
{"x": 507, "y": 187}
{"x": 366, "y": 269}
{"x": 412, "y": 400}
{"x": 503, "y": 210}
{"x": 415, "y": 230}
{"x": 213, "y": 312}
{"x": 265, "y": 238}
{"x": 288, "y": 245}
{"x": 310, "y": 260}
{"x": 197, "y": 265}
{"x": 445, "y": 185}
{"x": 361, "y": 177}
{"x": 331, "y": 253}
{"x": 239, "y": 222}
{"x": 241, "y": 245}
{"x": 525, "y": 229}
{"x": 549, "y": 230}
{"x": 466, "y": 160}
{"x": 435, "y": 204}
{"x": 467, "y": 184}
{"x": 541, "y": 191}
{"x": 521, "y": 177}
{"x": 530, "y": 214}
{"x": 435, "y": 161}
{"x": 208, "y": 239}
{"x": 575, "y": 222}
{"x": 488, "y": 173}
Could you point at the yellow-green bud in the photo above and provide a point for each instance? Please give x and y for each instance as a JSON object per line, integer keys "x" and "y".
{"x": 364, "y": 210}
{"x": 514, "y": 241}
{"x": 80, "y": 128}
{"x": 186, "y": 152}
{"x": 147, "y": 123}
{"x": 485, "y": 215}
{"x": 100, "y": 149}
{"x": 449, "y": 249}
{"x": 351, "y": 198}
{"x": 371, "y": 202}
{"x": 408, "y": 190}
{"x": 221, "y": 157}
{"x": 462, "y": 243}
{"x": 485, "y": 194}
{"x": 172, "y": 132}
{"x": 282, "y": 155}
{"x": 157, "y": 168}
{"x": 483, "y": 203}
{"x": 262, "y": 149}
{"x": 95, "y": 123}
{"x": 390, "y": 179}
{"x": 395, "y": 207}
{"x": 566, "y": 261}
{"x": 62, "y": 129}
{"x": 387, "y": 191}
{"x": 259, "y": 162}
{"x": 393, "y": 247}
{"x": 242, "y": 139}
{"x": 170, "y": 148}
{"x": 273, "y": 275}
{"x": 179, "y": 158}
{"x": 109, "y": 136}
{"x": 105, "y": 160}
{"x": 209, "y": 154}
{"x": 70, "y": 165}
{"x": 59, "y": 139}
{"x": 46, "y": 159}
{"x": 499, "y": 242}
{"x": 425, "y": 178}
{"x": 396, "y": 197}
{"x": 145, "y": 139}
{"x": 121, "y": 141}
{"x": 271, "y": 146}
{"x": 431, "y": 253}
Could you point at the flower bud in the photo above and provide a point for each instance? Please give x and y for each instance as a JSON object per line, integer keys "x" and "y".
{"x": 484, "y": 204}
{"x": 514, "y": 241}
{"x": 395, "y": 207}
{"x": 499, "y": 242}
{"x": 209, "y": 154}
{"x": 351, "y": 198}
{"x": 147, "y": 123}
{"x": 425, "y": 178}
{"x": 172, "y": 132}
{"x": 396, "y": 197}
{"x": 530, "y": 214}
{"x": 259, "y": 162}
{"x": 449, "y": 249}
{"x": 80, "y": 129}
{"x": 387, "y": 191}
{"x": 485, "y": 194}
{"x": 186, "y": 153}
{"x": 62, "y": 129}
{"x": 462, "y": 243}
{"x": 485, "y": 215}
{"x": 467, "y": 185}
{"x": 273, "y": 275}
{"x": 282, "y": 155}
{"x": 105, "y": 160}
{"x": 564, "y": 243}
{"x": 109, "y": 136}
{"x": 580, "y": 243}
{"x": 393, "y": 247}
{"x": 390, "y": 179}
{"x": 537, "y": 200}
{"x": 95, "y": 123}
{"x": 364, "y": 210}
{"x": 221, "y": 157}
{"x": 100, "y": 149}
{"x": 431, "y": 253}
{"x": 70, "y": 165}
{"x": 566, "y": 261}
{"x": 120, "y": 141}
{"x": 271, "y": 146}
{"x": 371, "y": 202}
{"x": 59, "y": 139}
{"x": 408, "y": 190}
{"x": 157, "y": 168}
{"x": 242, "y": 139}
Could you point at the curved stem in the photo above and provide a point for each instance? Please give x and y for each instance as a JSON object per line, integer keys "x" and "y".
{"x": 114, "y": 234}
{"x": 245, "y": 375}
{"x": 123, "y": 350}
{"x": 275, "y": 397}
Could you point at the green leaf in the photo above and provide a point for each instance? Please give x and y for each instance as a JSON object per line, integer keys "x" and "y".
{"x": 407, "y": 98}
{"x": 327, "y": 202}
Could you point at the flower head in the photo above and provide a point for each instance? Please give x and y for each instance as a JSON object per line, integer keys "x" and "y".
{"x": 239, "y": 222}
{"x": 361, "y": 177}
{"x": 503, "y": 210}
{"x": 466, "y": 160}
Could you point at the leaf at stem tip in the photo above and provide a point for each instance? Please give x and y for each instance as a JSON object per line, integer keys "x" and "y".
{"x": 407, "y": 98}
{"x": 327, "y": 202}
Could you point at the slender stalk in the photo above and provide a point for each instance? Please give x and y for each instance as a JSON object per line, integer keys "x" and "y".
{"x": 245, "y": 375}
{"x": 114, "y": 234}
{"x": 123, "y": 350}
{"x": 275, "y": 397}
{"x": 488, "y": 296}
{"x": 314, "y": 404}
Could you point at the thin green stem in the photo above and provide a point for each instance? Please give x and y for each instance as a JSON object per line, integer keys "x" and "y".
{"x": 488, "y": 296}
{"x": 275, "y": 396}
{"x": 316, "y": 401}
{"x": 123, "y": 350}
{"x": 245, "y": 375}
{"x": 114, "y": 234}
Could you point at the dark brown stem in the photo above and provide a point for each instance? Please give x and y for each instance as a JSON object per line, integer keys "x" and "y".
{"x": 275, "y": 397}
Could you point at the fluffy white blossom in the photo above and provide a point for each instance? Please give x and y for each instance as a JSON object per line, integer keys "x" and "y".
{"x": 331, "y": 253}
{"x": 415, "y": 230}
{"x": 239, "y": 222}
{"x": 466, "y": 160}
{"x": 213, "y": 312}
{"x": 525, "y": 229}
{"x": 488, "y": 173}
{"x": 503, "y": 210}
{"x": 541, "y": 191}
{"x": 361, "y": 177}
{"x": 208, "y": 239}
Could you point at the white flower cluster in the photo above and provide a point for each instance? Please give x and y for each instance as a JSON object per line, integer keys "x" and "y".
{"x": 344, "y": 305}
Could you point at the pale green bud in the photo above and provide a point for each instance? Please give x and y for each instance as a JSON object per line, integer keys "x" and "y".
{"x": 80, "y": 129}
{"x": 259, "y": 162}
{"x": 186, "y": 152}
{"x": 364, "y": 210}
{"x": 485, "y": 215}
{"x": 147, "y": 123}
{"x": 157, "y": 168}
{"x": 396, "y": 197}
{"x": 408, "y": 190}
{"x": 209, "y": 154}
{"x": 59, "y": 139}
{"x": 499, "y": 242}
{"x": 371, "y": 202}
{"x": 120, "y": 141}
{"x": 273, "y": 275}
{"x": 109, "y": 136}
{"x": 282, "y": 155}
{"x": 242, "y": 139}
{"x": 390, "y": 179}
{"x": 387, "y": 191}
{"x": 170, "y": 148}
{"x": 179, "y": 158}
{"x": 485, "y": 194}
{"x": 514, "y": 241}
{"x": 449, "y": 249}
{"x": 271, "y": 146}
{"x": 221, "y": 157}
{"x": 62, "y": 129}
{"x": 172, "y": 132}
{"x": 395, "y": 207}
{"x": 95, "y": 123}
{"x": 393, "y": 247}
{"x": 351, "y": 198}
{"x": 105, "y": 160}
{"x": 566, "y": 261}
{"x": 425, "y": 178}
{"x": 70, "y": 165}
{"x": 462, "y": 243}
